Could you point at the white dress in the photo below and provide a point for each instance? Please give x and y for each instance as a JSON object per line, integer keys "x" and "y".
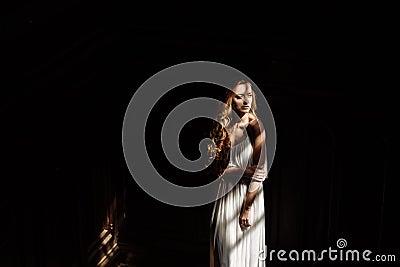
{"x": 237, "y": 247}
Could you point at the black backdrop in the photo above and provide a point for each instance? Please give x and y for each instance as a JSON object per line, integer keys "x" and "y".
{"x": 72, "y": 69}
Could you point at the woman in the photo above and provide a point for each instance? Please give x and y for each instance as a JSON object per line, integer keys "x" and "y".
{"x": 237, "y": 223}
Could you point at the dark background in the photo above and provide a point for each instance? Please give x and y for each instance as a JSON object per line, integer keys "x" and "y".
{"x": 70, "y": 69}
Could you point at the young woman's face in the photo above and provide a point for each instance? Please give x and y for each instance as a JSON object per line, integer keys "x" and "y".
{"x": 243, "y": 99}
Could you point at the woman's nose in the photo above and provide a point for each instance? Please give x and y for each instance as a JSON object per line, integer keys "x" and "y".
{"x": 247, "y": 99}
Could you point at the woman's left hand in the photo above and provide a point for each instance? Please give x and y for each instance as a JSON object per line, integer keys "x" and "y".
{"x": 244, "y": 218}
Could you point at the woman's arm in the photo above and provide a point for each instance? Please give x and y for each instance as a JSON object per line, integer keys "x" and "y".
{"x": 257, "y": 133}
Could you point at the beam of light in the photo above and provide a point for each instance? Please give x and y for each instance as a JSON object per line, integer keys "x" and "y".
{"x": 103, "y": 233}
{"x": 104, "y": 259}
{"x": 105, "y": 241}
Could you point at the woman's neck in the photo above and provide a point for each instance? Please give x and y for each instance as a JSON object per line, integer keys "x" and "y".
{"x": 243, "y": 119}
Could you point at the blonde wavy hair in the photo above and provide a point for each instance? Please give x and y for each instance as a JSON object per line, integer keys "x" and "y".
{"x": 220, "y": 148}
